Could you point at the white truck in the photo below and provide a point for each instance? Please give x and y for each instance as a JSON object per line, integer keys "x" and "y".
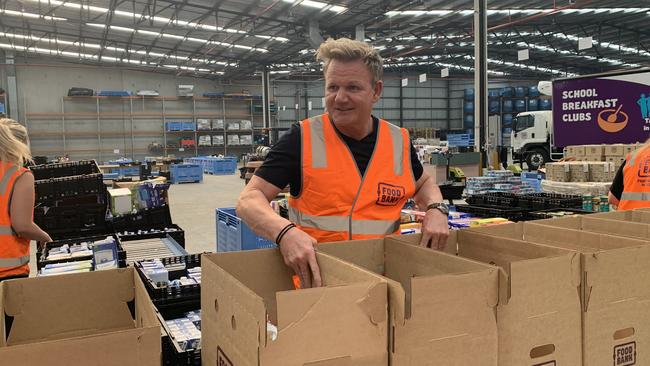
{"x": 605, "y": 108}
{"x": 532, "y": 139}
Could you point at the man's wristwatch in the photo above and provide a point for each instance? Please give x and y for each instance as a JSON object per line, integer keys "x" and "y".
{"x": 440, "y": 206}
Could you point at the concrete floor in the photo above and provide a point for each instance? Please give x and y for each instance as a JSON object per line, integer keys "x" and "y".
{"x": 193, "y": 208}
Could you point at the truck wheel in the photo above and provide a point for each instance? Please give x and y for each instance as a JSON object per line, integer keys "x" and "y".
{"x": 535, "y": 158}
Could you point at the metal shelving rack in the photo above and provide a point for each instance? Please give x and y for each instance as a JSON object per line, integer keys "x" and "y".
{"x": 136, "y": 112}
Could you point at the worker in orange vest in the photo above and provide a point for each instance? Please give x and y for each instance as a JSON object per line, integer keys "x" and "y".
{"x": 349, "y": 172}
{"x": 631, "y": 186}
{"x": 17, "y": 227}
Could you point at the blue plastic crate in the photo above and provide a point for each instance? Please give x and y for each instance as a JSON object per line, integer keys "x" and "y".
{"x": 113, "y": 93}
{"x": 221, "y": 166}
{"x": 186, "y": 173}
{"x": 173, "y": 126}
{"x": 234, "y": 235}
{"x": 536, "y": 184}
{"x": 124, "y": 171}
{"x": 188, "y": 126}
{"x": 532, "y": 175}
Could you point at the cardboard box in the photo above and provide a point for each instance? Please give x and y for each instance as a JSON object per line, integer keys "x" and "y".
{"x": 615, "y": 302}
{"x": 538, "y": 315}
{"x": 80, "y": 319}
{"x": 597, "y": 224}
{"x": 615, "y": 150}
{"x": 592, "y": 158}
{"x": 601, "y": 172}
{"x": 557, "y": 172}
{"x": 120, "y": 201}
{"x": 343, "y": 323}
{"x": 595, "y": 150}
{"x": 616, "y": 160}
{"x": 578, "y": 172}
{"x": 576, "y": 151}
{"x": 441, "y": 307}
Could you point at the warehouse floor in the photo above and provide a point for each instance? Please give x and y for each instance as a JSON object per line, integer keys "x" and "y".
{"x": 193, "y": 208}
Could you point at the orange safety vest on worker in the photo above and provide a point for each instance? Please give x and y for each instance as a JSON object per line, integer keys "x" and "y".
{"x": 336, "y": 202}
{"x": 636, "y": 180}
{"x": 14, "y": 250}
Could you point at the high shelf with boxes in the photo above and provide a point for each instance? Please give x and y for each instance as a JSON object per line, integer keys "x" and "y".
{"x": 98, "y": 127}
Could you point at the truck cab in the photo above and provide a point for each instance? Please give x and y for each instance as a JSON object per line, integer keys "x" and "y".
{"x": 532, "y": 139}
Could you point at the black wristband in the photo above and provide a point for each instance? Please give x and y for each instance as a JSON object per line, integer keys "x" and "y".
{"x": 282, "y": 232}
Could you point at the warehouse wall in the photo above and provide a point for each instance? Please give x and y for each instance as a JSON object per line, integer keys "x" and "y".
{"x": 424, "y": 104}
{"x": 42, "y": 86}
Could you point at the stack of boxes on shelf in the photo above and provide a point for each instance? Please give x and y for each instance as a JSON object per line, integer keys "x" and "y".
{"x": 580, "y": 171}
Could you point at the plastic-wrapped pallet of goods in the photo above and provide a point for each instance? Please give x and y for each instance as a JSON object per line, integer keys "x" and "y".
{"x": 205, "y": 140}
{"x": 591, "y": 188}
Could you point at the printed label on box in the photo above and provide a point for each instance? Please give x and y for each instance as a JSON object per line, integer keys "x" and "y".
{"x": 549, "y": 363}
{"x": 222, "y": 359}
{"x": 625, "y": 354}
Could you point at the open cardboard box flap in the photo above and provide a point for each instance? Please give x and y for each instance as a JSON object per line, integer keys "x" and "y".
{"x": 48, "y": 308}
{"x": 74, "y": 317}
{"x": 242, "y": 289}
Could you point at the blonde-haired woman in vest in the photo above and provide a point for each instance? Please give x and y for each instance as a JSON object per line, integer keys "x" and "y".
{"x": 17, "y": 227}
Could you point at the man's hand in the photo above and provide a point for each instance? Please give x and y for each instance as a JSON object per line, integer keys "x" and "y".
{"x": 435, "y": 229}
{"x": 297, "y": 248}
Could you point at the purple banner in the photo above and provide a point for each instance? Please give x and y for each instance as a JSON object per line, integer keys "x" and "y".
{"x": 604, "y": 110}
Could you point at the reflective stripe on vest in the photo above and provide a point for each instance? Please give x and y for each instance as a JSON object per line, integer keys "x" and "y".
{"x": 13, "y": 262}
{"x": 7, "y": 230}
{"x": 398, "y": 148}
{"x": 635, "y": 196}
{"x": 318, "y": 152}
{"x": 342, "y": 223}
{"x": 4, "y": 182}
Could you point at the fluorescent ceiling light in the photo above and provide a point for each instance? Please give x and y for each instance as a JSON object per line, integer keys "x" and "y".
{"x": 515, "y": 11}
{"x": 318, "y": 5}
{"x": 131, "y": 15}
{"x": 25, "y": 14}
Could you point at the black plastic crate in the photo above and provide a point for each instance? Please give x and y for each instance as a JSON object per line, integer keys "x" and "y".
{"x": 510, "y": 213}
{"x": 173, "y": 230}
{"x": 548, "y": 214}
{"x": 165, "y": 296}
{"x": 59, "y": 221}
{"x": 156, "y": 217}
{"x": 58, "y": 170}
{"x": 41, "y": 254}
{"x": 544, "y": 201}
{"x": 72, "y": 186}
{"x": 494, "y": 199}
{"x": 172, "y": 354}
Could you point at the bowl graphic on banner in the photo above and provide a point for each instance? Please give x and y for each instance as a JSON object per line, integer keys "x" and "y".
{"x": 612, "y": 120}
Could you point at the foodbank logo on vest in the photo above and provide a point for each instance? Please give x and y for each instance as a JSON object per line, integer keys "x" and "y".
{"x": 389, "y": 195}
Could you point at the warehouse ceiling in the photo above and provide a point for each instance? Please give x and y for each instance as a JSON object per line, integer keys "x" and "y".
{"x": 226, "y": 39}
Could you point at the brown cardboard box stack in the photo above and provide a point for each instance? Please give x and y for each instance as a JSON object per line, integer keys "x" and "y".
{"x": 614, "y": 153}
{"x": 614, "y": 296}
{"x": 580, "y": 171}
{"x": 78, "y": 319}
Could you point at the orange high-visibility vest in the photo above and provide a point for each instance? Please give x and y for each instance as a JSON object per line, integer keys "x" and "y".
{"x": 636, "y": 180}
{"x": 14, "y": 250}
{"x": 336, "y": 202}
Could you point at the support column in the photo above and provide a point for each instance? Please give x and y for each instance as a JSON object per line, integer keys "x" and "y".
{"x": 12, "y": 87}
{"x": 480, "y": 77}
{"x": 266, "y": 97}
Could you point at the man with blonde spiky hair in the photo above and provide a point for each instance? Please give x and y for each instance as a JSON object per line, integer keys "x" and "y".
{"x": 349, "y": 172}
